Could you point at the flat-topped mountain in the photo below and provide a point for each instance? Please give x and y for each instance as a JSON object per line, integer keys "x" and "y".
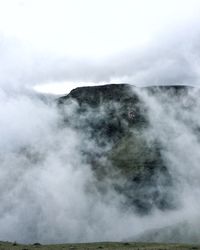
{"x": 116, "y": 119}
{"x": 116, "y": 92}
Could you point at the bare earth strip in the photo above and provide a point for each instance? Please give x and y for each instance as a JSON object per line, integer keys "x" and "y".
{"x": 101, "y": 245}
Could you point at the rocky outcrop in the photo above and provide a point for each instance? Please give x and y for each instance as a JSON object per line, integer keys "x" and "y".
{"x": 114, "y": 118}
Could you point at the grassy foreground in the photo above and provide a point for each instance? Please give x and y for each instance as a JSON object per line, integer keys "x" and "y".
{"x": 102, "y": 245}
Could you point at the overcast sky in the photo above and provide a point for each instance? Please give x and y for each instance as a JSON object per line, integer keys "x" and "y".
{"x": 56, "y": 45}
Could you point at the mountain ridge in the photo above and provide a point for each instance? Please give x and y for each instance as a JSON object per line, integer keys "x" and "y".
{"x": 115, "y": 115}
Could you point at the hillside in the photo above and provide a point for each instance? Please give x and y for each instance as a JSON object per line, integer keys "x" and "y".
{"x": 115, "y": 118}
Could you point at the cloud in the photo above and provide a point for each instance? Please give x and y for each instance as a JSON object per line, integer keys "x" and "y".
{"x": 48, "y": 191}
{"x": 174, "y": 124}
{"x": 171, "y": 58}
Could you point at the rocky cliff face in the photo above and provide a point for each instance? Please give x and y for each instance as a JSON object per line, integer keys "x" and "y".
{"x": 115, "y": 118}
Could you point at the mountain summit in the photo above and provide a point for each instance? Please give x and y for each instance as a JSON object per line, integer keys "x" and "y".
{"x": 115, "y": 118}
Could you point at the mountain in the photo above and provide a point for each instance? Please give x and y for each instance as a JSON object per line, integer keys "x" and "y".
{"x": 114, "y": 119}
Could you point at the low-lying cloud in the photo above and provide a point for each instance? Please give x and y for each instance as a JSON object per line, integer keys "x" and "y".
{"x": 48, "y": 190}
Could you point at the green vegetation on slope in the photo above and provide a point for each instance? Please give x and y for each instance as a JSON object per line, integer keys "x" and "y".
{"x": 114, "y": 118}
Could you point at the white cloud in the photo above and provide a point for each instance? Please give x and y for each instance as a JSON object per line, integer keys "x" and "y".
{"x": 91, "y": 28}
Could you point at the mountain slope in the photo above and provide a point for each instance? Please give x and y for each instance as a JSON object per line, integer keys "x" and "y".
{"x": 115, "y": 119}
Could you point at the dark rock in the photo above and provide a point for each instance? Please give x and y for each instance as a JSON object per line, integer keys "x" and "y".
{"x": 115, "y": 115}
{"x": 37, "y": 244}
{"x": 15, "y": 243}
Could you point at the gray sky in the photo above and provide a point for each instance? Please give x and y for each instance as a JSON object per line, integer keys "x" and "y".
{"x": 56, "y": 45}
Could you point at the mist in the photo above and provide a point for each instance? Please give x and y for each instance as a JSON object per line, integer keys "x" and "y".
{"x": 174, "y": 123}
{"x": 49, "y": 192}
